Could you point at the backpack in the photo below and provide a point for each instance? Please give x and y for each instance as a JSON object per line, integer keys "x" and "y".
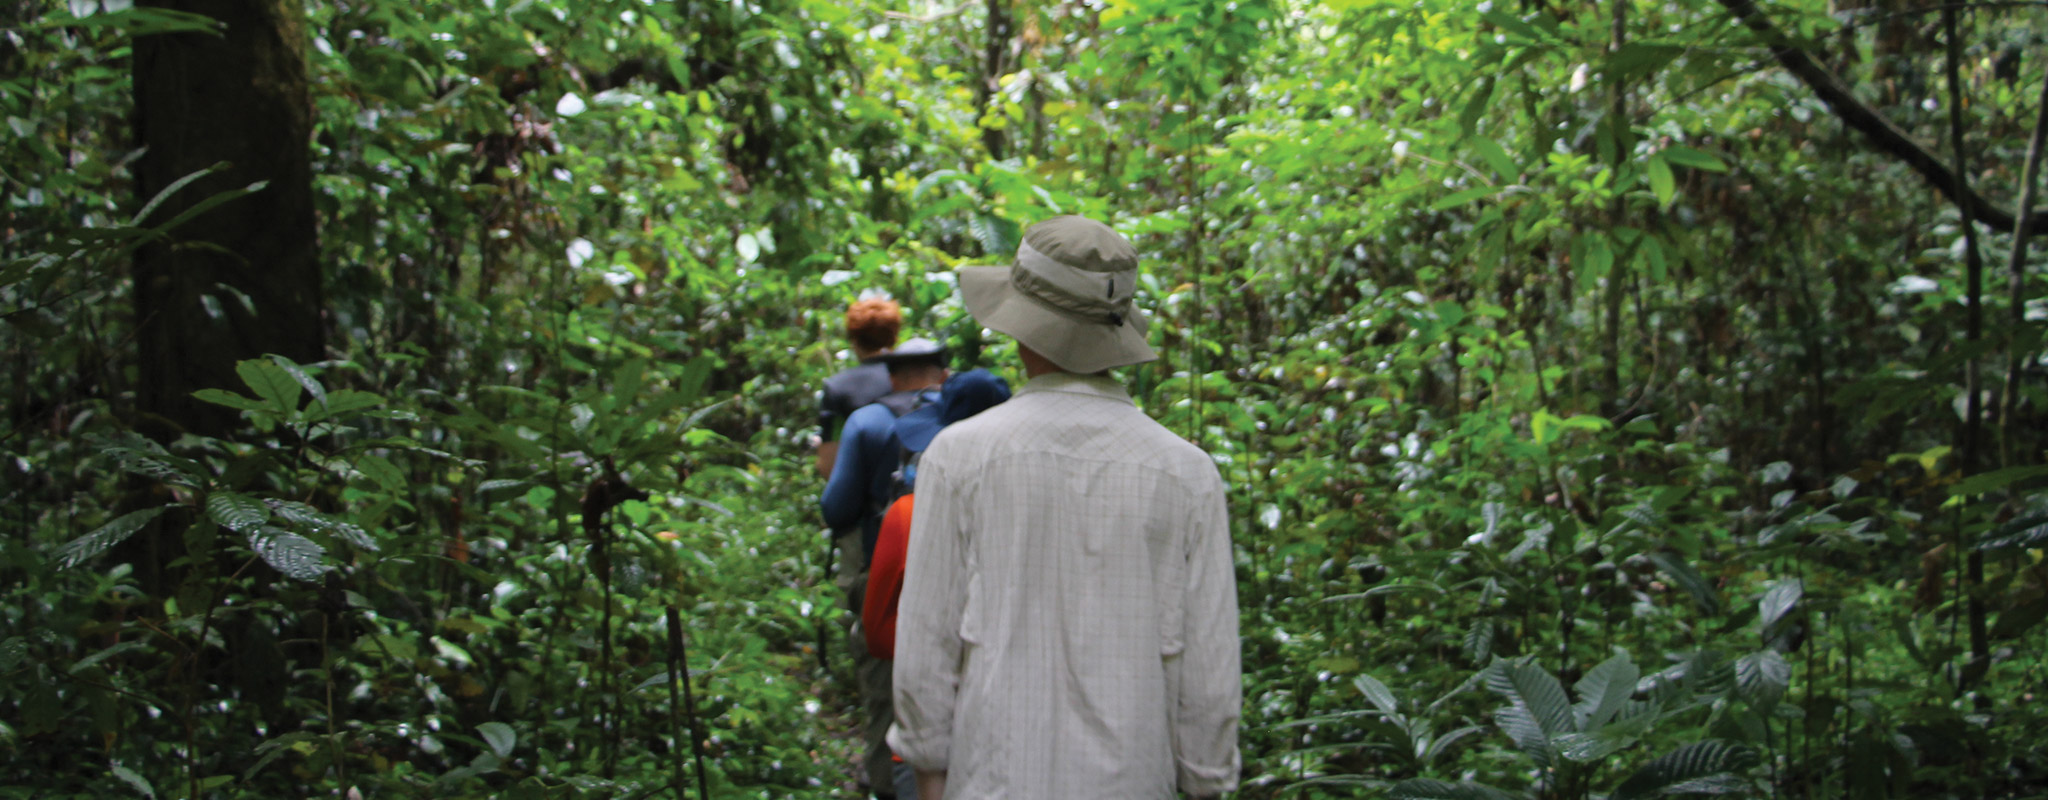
{"x": 899, "y": 404}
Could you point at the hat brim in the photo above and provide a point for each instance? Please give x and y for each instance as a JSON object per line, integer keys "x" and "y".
{"x": 1074, "y": 345}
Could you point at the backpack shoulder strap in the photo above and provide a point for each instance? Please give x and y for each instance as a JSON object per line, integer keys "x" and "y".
{"x": 900, "y": 403}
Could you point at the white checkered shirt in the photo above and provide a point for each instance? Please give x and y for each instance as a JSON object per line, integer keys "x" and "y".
{"x": 1068, "y": 627}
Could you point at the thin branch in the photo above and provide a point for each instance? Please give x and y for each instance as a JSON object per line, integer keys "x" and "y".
{"x": 2016, "y": 265}
{"x": 1888, "y": 136}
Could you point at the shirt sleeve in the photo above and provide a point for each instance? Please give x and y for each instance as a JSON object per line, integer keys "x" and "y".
{"x": 846, "y": 492}
{"x": 928, "y": 645}
{"x": 1210, "y": 681}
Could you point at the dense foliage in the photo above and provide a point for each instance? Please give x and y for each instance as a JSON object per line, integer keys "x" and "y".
{"x": 1608, "y": 411}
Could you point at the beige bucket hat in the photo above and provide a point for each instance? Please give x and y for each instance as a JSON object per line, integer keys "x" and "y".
{"x": 1067, "y": 296}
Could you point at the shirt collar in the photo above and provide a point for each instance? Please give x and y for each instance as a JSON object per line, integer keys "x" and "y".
{"x": 1086, "y": 385}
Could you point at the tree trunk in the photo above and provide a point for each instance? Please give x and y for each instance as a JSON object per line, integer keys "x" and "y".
{"x": 240, "y": 280}
{"x": 993, "y": 66}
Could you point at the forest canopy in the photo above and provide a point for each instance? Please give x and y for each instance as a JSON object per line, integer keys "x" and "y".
{"x": 1618, "y": 398}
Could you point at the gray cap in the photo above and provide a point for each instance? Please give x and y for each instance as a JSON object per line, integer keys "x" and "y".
{"x": 916, "y": 349}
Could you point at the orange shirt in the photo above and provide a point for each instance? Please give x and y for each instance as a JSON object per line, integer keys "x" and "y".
{"x": 885, "y": 581}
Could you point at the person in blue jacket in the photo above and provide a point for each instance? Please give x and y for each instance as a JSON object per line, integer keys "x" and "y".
{"x": 855, "y": 498}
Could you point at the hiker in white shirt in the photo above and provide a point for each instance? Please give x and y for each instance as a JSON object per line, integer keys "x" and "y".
{"x": 1068, "y": 625}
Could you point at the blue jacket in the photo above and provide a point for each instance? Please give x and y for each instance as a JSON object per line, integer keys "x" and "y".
{"x": 865, "y": 468}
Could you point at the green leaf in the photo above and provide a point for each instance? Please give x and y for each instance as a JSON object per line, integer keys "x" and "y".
{"x": 1478, "y": 644}
{"x": 344, "y": 401}
{"x": 1661, "y": 180}
{"x": 2025, "y": 533}
{"x": 1426, "y": 789}
{"x": 271, "y": 383}
{"x": 500, "y": 485}
{"x": 1475, "y": 107}
{"x": 1704, "y": 595}
{"x": 1504, "y": 21}
{"x": 1779, "y": 600}
{"x": 236, "y": 511}
{"x": 998, "y": 236}
{"x": 222, "y": 397}
{"x": 157, "y": 201}
{"x": 271, "y": 749}
{"x": 143, "y": 457}
{"x": 1527, "y": 685}
{"x": 1994, "y": 480}
{"x": 133, "y": 779}
{"x": 105, "y": 537}
{"x": 294, "y": 555}
{"x": 303, "y": 378}
{"x": 1381, "y": 697}
{"x": 118, "y": 648}
{"x": 1497, "y": 157}
{"x": 381, "y": 470}
{"x": 1604, "y": 691}
{"x": 1461, "y": 197}
{"x": 1605, "y": 741}
{"x": 1689, "y": 157}
{"x": 12, "y": 653}
{"x": 1638, "y": 59}
{"x": 499, "y": 736}
{"x": 1683, "y": 766}
{"x": 208, "y": 204}
{"x": 310, "y": 518}
{"x": 1538, "y": 707}
{"x": 1762, "y": 677}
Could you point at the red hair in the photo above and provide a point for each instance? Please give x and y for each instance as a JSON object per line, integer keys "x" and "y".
{"x": 872, "y": 324}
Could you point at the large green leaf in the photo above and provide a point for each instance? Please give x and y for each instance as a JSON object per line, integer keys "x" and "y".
{"x": 1529, "y": 687}
{"x": 103, "y": 538}
{"x": 2025, "y": 533}
{"x": 271, "y": 383}
{"x": 1779, "y": 600}
{"x": 310, "y": 518}
{"x": 143, "y": 457}
{"x": 1762, "y": 677}
{"x": 1603, "y": 691}
{"x": 236, "y": 511}
{"x": 499, "y": 736}
{"x": 1597, "y": 745}
{"x": 1527, "y": 734}
{"x": 1686, "y": 767}
{"x": 1381, "y": 697}
{"x": 296, "y": 556}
